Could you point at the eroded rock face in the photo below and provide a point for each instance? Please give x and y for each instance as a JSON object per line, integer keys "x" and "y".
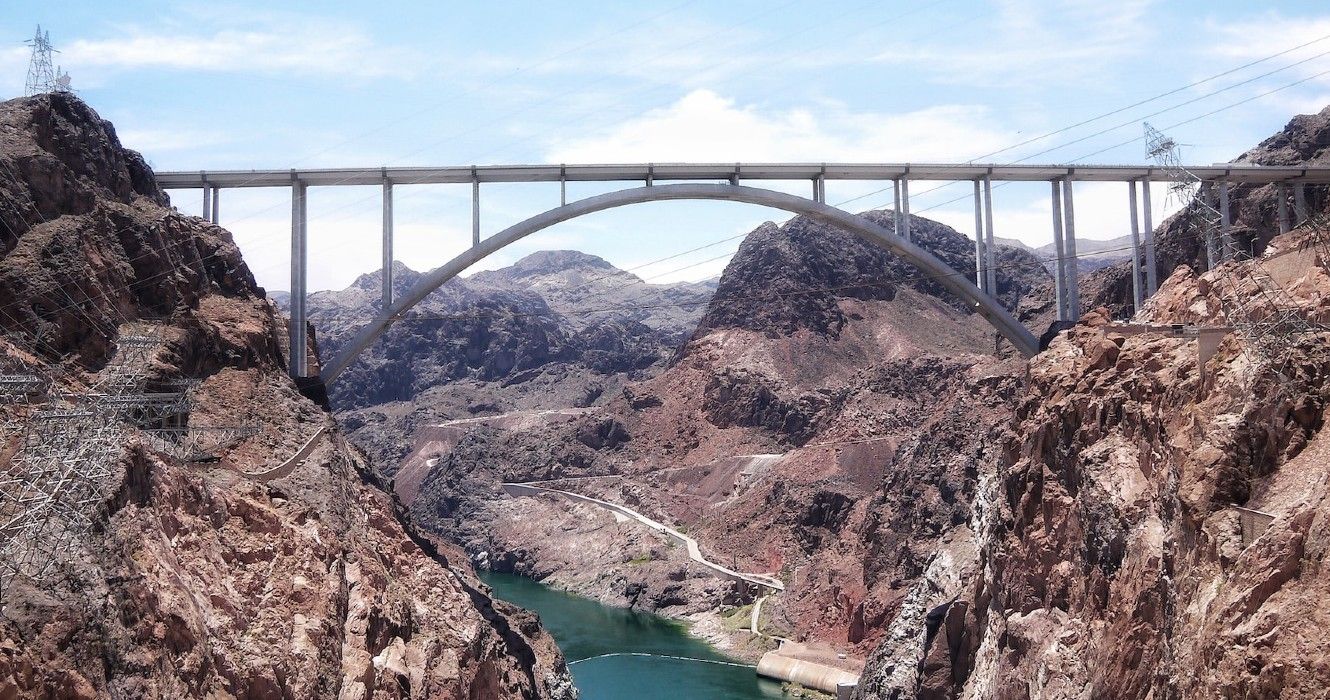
{"x": 791, "y": 277}
{"x": 197, "y": 580}
{"x": 1117, "y": 559}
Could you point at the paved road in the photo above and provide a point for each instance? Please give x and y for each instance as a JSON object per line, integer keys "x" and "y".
{"x": 694, "y": 551}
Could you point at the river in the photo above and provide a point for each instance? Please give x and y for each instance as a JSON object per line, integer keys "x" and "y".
{"x": 617, "y": 654}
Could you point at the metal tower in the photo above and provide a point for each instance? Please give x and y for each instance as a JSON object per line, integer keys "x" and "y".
{"x": 41, "y": 73}
{"x": 1263, "y": 312}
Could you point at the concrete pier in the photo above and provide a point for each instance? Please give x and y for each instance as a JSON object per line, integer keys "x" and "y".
{"x": 1281, "y": 197}
{"x": 905, "y": 202}
{"x": 386, "y": 247}
{"x": 990, "y": 249}
{"x": 1299, "y": 202}
{"x": 1060, "y": 250}
{"x": 896, "y": 210}
{"x": 215, "y": 215}
{"x": 1073, "y": 274}
{"x": 475, "y": 210}
{"x": 1136, "y": 290}
{"x": 980, "y": 279}
{"x": 1227, "y": 249}
{"x": 1151, "y": 273}
{"x": 1212, "y": 258}
{"x": 298, "y": 361}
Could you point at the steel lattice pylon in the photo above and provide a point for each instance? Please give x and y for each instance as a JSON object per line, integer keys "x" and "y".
{"x": 1258, "y": 307}
{"x": 41, "y": 72}
{"x": 59, "y": 457}
{"x": 58, "y": 454}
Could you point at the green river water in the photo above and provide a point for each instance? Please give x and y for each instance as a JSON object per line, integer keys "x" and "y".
{"x": 641, "y": 643}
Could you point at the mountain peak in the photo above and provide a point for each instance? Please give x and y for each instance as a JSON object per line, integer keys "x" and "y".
{"x": 546, "y": 261}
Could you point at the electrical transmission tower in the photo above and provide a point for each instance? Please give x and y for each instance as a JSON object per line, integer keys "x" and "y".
{"x": 42, "y": 76}
{"x": 1259, "y": 309}
{"x": 58, "y": 452}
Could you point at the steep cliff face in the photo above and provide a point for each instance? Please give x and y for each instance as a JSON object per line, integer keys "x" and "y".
{"x": 1151, "y": 530}
{"x": 203, "y": 579}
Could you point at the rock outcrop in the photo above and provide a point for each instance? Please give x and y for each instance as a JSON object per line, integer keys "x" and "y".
{"x": 1149, "y": 526}
{"x": 195, "y": 579}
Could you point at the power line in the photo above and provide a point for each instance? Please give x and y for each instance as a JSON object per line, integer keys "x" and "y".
{"x": 1122, "y": 125}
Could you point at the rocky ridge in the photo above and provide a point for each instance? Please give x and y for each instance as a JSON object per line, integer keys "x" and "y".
{"x": 196, "y": 580}
{"x": 556, "y": 329}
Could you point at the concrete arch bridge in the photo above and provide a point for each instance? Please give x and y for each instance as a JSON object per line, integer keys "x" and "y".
{"x": 724, "y": 182}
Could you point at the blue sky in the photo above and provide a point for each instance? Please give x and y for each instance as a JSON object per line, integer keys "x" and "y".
{"x": 244, "y": 85}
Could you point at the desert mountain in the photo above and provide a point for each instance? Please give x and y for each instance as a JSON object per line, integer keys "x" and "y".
{"x": 239, "y": 573}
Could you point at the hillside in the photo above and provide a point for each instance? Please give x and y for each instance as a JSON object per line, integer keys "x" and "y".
{"x": 179, "y": 573}
{"x": 1147, "y": 531}
{"x": 1091, "y": 254}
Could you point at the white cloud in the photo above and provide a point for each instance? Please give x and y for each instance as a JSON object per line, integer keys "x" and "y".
{"x": 706, "y": 127}
{"x": 1035, "y": 43}
{"x": 152, "y": 142}
{"x": 302, "y": 47}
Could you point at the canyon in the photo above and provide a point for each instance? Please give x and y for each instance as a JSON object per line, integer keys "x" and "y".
{"x": 962, "y": 522}
{"x": 904, "y": 494}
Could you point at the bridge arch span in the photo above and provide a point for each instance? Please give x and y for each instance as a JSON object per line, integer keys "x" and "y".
{"x": 954, "y": 281}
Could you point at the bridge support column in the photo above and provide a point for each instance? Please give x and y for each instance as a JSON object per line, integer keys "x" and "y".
{"x": 1281, "y": 197}
{"x": 298, "y": 361}
{"x": 216, "y": 205}
{"x": 990, "y": 248}
{"x": 206, "y": 214}
{"x": 386, "y": 277}
{"x": 1073, "y": 274}
{"x": 905, "y": 202}
{"x": 1207, "y": 195}
{"x": 896, "y": 212}
{"x": 1059, "y": 249}
{"x": 1151, "y": 272}
{"x": 1299, "y": 202}
{"x": 820, "y": 189}
{"x": 1136, "y": 296}
{"x": 980, "y": 279}
{"x": 475, "y": 209}
{"x": 1227, "y": 249}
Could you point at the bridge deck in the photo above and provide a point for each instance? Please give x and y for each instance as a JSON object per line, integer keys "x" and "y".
{"x": 1253, "y": 174}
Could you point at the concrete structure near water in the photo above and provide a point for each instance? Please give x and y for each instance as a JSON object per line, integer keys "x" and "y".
{"x": 809, "y": 674}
